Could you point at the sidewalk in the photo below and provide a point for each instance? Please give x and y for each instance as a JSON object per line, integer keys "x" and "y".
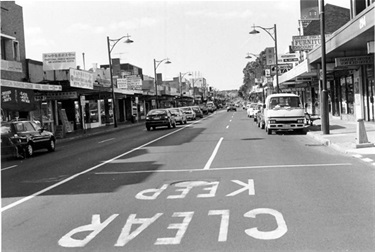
{"x": 96, "y": 131}
{"x": 343, "y": 135}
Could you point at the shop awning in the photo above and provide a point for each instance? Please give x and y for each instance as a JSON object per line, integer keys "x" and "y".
{"x": 17, "y": 99}
{"x": 301, "y": 73}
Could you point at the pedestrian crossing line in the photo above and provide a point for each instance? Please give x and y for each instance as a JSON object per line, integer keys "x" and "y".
{"x": 357, "y": 156}
{"x": 367, "y": 160}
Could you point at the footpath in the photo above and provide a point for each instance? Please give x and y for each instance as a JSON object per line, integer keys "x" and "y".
{"x": 343, "y": 135}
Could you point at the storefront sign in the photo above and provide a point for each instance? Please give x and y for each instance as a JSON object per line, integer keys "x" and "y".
{"x": 16, "y": 99}
{"x": 11, "y": 66}
{"x": 130, "y": 83}
{"x": 81, "y": 79}
{"x": 28, "y": 85}
{"x": 59, "y": 61}
{"x": 354, "y": 61}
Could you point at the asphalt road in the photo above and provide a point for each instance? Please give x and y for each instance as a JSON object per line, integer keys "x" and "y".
{"x": 217, "y": 184}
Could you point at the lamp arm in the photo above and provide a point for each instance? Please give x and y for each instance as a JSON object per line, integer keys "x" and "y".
{"x": 266, "y": 30}
{"x": 117, "y": 40}
{"x": 159, "y": 62}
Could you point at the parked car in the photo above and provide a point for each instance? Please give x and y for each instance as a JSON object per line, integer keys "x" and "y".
{"x": 257, "y": 110}
{"x": 160, "y": 117}
{"x": 179, "y": 116}
{"x": 189, "y": 112}
{"x": 211, "y": 107}
{"x": 198, "y": 111}
{"x": 27, "y": 137}
{"x": 231, "y": 107}
{"x": 251, "y": 109}
{"x": 260, "y": 118}
{"x": 204, "y": 109}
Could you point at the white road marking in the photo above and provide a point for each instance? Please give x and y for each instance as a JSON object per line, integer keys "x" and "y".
{"x": 10, "y": 167}
{"x": 367, "y": 160}
{"x": 106, "y": 140}
{"x": 18, "y": 202}
{"x": 209, "y": 162}
{"x": 227, "y": 127}
{"x": 227, "y": 168}
{"x": 357, "y": 155}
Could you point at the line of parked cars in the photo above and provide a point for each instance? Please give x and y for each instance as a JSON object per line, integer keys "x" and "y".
{"x": 169, "y": 117}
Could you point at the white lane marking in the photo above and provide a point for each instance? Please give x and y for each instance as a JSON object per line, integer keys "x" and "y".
{"x": 18, "y": 202}
{"x": 10, "y": 167}
{"x": 227, "y": 127}
{"x": 357, "y": 155}
{"x": 367, "y": 160}
{"x": 230, "y": 120}
{"x": 209, "y": 162}
{"x": 106, "y": 140}
{"x": 227, "y": 168}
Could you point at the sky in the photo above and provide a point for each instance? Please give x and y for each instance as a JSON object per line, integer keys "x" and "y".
{"x": 210, "y": 39}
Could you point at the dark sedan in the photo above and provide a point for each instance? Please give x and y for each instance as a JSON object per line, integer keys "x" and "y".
{"x": 160, "y": 117}
{"x": 27, "y": 136}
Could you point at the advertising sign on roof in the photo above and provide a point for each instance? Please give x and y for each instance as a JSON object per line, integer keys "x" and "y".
{"x": 59, "y": 61}
{"x": 81, "y": 79}
{"x": 132, "y": 82}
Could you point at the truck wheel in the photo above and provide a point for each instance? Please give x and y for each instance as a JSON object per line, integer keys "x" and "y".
{"x": 269, "y": 132}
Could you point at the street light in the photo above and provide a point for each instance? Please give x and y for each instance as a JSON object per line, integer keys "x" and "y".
{"x": 180, "y": 81}
{"x": 110, "y": 70}
{"x": 158, "y": 62}
{"x": 250, "y": 55}
{"x": 274, "y": 39}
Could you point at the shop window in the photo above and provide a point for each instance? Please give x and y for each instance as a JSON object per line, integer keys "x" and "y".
{"x": 347, "y": 95}
{"x": 93, "y": 110}
{"x": 16, "y": 51}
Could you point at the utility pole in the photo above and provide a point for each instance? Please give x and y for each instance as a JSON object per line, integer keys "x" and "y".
{"x": 324, "y": 94}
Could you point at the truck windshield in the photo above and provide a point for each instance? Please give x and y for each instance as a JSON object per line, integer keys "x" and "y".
{"x": 284, "y": 102}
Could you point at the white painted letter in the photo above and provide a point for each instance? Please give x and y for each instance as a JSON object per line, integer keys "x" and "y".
{"x": 95, "y": 227}
{"x": 212, "y": 190}
{"x": 154, "y": 193}
{"x": 181, "y": 229}
{"x": 223, "y": 234}
{"x": 249, "y": 186}
{"x": 126, "y": 236}
{"x": 270, "y": 235}
{"x": 184, "y": 191}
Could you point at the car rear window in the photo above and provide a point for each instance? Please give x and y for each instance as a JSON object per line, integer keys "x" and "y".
{"x": 157, "y": 112}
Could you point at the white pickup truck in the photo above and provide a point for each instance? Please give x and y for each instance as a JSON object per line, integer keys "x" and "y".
{"x": 284, "y": 112}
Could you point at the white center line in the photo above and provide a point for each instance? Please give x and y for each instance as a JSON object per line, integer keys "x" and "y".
{"x": 227, "y": 126}
{"x": 106, "y": 140}
{"x": 209, "y": 162}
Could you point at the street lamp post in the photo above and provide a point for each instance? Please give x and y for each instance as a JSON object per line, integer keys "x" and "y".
{"x": 156, "y": 65}
{"x": 180, "y": 81}
{"x": 110, "y": 71}
{"x": 276, "y": 57}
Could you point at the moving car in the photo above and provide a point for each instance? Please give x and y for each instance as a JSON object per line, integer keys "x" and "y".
{"x": 231, "y": 107}
{"x": 159, "y": 117}
{"x": 179, "y": 116}
{"x": 189, "y": 112}
{"x": 27, "y": 136}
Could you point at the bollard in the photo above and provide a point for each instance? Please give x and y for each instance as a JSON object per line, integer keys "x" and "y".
{"x": 362, "y": 140}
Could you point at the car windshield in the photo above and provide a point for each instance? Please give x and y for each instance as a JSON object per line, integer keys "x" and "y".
{"x": 157, "y": 112}
{"x": 281, "y": 102}
{"x": 5, "y": 128}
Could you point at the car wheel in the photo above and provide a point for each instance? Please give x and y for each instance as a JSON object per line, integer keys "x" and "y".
{"x": 185, "y": 122}
{"x": 148, "y": 128}
{"x": 51, "y": 146}
{"x": 174, "y": 125}
{"x": 169, "y": 125}
{"x": 29, "y": 150}
{"x": 154, "y": 128}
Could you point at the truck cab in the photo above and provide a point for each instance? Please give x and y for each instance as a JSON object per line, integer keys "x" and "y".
{"x": 284, "y": 112}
